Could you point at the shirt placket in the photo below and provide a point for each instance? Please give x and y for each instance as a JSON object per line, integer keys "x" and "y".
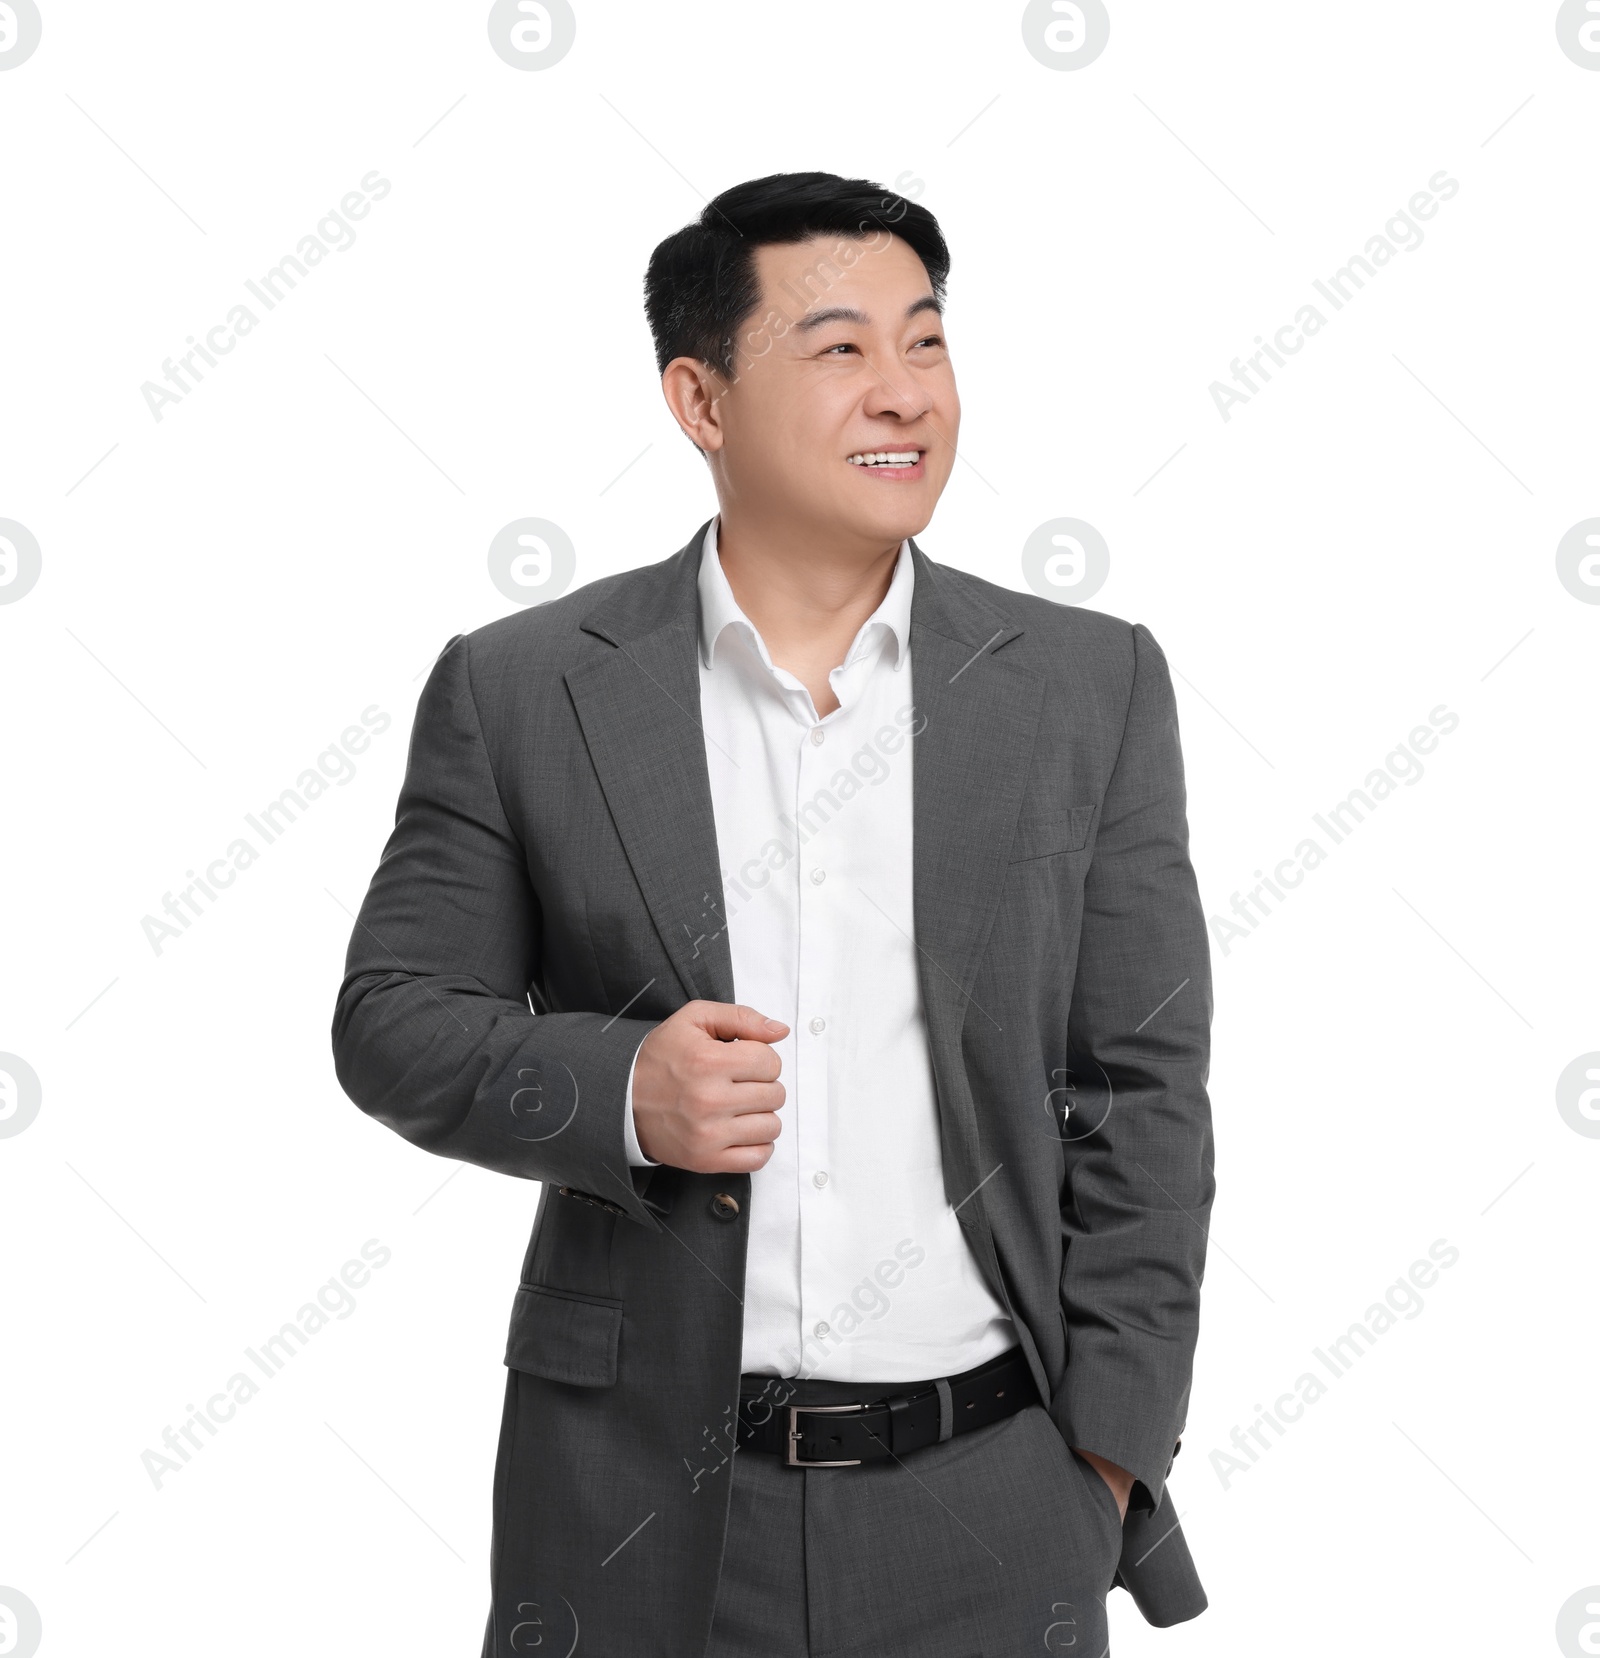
{"x": 819, "y": 749}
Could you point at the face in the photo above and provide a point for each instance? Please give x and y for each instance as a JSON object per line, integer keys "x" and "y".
{"x": 844, "y": 359}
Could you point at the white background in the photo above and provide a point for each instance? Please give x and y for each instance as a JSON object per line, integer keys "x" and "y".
{"x": 224, "y": 590}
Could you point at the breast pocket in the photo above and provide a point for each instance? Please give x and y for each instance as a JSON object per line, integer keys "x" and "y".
{"x": 565, "y": 1337}
{"x": 1043, "y": 837}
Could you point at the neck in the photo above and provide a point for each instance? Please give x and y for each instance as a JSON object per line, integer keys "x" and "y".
{"x": 807, "y": 597}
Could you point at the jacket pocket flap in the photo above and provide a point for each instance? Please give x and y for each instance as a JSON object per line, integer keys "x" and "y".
{"x": 1059, "y": 832}
{"x": 564, "y": 1337}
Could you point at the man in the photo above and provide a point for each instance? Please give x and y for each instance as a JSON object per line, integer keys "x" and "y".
{"x": 815, "y": 922}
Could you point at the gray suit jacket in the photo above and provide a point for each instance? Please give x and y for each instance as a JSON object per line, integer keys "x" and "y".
{"x": 555, "y": 846}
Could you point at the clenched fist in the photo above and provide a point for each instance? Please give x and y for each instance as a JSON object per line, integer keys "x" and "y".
{"x": 706, "y": 1090}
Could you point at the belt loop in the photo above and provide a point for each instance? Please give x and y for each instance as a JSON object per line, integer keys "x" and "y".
{"x": 947, "y": 1412}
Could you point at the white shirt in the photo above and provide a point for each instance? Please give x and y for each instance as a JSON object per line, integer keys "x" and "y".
{"x": 857, "y": 1267}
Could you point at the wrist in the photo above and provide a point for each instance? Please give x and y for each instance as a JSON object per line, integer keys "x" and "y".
{"x": 1117, "y": 1478}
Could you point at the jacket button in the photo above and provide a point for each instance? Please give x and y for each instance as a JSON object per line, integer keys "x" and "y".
{"x": 724, "y": 1207}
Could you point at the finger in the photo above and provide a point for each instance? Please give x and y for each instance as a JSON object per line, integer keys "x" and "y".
{"x": 754, "y": 1128}
{"x": 733, "y": 1021}
{"x": 741, "y": 1160}
{"x": 745, "y": 1061}
{"x": 745, "y": 1097}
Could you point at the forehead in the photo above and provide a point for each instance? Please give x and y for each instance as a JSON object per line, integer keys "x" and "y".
{"x": 879, "y": 275}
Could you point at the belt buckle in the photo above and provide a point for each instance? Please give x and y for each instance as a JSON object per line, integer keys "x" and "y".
{"x": 794, "y": 1436}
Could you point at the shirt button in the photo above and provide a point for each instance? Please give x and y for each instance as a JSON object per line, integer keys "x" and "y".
{"x": 818, "y": 876}
{"x": 818, "y": 1026}
{"x": 817, "y": 735}
{"x": 821, "y": 1330}
{"x": 820, "y": 1178}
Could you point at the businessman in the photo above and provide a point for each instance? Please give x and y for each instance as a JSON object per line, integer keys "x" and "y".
{"x": 815, "y": 923}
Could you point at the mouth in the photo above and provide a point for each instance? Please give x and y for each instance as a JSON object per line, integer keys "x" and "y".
{"x": 903, "y": 464}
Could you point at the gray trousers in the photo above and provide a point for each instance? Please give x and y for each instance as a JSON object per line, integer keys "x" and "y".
{"x": 996, "y": 1543}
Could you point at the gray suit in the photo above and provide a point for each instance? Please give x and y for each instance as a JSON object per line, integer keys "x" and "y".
{"x": 555, "y": 843}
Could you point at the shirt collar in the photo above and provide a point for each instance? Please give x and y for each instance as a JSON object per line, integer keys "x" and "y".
{"x": 720, "y": 610}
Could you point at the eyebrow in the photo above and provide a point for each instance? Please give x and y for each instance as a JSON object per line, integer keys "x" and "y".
{"x": 848, "y": 313}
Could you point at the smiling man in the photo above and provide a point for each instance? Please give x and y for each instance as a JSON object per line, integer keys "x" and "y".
{"x": 815, "y": 922}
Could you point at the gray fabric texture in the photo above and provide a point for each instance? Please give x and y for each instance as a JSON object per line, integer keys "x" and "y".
{"x": 995, "y": 1544}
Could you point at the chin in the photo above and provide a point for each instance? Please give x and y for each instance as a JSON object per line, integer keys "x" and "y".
{"x": 899, "y": 526}
{"x": 894, "y": 521}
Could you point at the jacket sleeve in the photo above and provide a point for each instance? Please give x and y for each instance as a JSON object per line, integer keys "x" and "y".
{"x": 1137, "y": 1204}
{"x": 433, "y": 1034}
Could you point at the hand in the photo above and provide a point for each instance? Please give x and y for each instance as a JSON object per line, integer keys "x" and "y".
{"x": 706, "y": 1090}
{"x": 1119, "y": 1479}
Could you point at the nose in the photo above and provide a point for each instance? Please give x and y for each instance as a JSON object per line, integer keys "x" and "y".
{"x": 895, "y": 391}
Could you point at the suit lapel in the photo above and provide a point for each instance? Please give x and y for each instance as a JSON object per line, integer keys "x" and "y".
{"x": 976, "y": 715}
{"x": 639, "y": 707}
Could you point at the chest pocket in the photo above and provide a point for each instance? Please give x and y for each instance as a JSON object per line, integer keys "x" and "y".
{"x": 1042, "y": 837}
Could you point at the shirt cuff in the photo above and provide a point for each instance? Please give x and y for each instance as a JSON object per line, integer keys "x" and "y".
{"x": 636, "y": 1157}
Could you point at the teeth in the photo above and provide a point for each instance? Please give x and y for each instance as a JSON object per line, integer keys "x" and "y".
{"x": 886, "y": 457}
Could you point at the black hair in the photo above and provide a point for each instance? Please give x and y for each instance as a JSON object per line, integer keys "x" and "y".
{"x": 701, "y": 283}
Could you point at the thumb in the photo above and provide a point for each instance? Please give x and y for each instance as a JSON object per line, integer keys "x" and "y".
{"x": 732, "y": 1021}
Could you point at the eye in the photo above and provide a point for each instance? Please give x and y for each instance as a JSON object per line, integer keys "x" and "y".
{"x": 843, "y": 345}
{"x": 932, "y": 339}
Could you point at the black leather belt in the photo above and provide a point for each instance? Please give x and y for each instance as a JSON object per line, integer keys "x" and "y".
{"x": 882, "y": 1423}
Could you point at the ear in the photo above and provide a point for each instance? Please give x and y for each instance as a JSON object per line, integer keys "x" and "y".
{"x": 694, "y": 393}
